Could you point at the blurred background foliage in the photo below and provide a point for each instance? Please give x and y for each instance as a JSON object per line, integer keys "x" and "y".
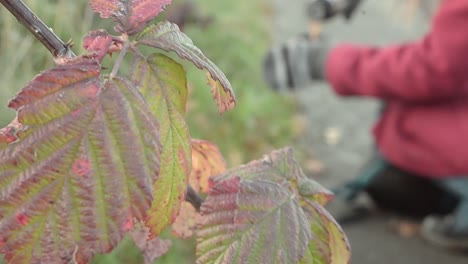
{"x": 233, "y": 34}
{"x": 236, "y": 40}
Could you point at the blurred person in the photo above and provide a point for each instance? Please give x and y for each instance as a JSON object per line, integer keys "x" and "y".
{"x": 421, "y": 163}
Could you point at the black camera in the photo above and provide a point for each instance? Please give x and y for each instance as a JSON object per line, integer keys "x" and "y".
{"x": 319, "y": 10}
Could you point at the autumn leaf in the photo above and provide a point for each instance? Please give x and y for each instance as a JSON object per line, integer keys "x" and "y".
{"x": 9, "y": 133}
{"x": 151, "y": 249}
{"x": 329, "y": 245}
{"x": 186, "y": 222}
{"x": 163, "y": 83}
{"x": 268, "y": 211}
{"x": 251, "y": 221}
{"x": 98, "y": 41}
{"x": 167, "y": 36}
{"x": 131, "y": 16}
{"x": 82, "y": 168}
{"x": 278, "y": 166}
{"x": 207, "y": 161}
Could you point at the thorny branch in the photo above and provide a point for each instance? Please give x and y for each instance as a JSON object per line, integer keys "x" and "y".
{"x": 38, "y": 28}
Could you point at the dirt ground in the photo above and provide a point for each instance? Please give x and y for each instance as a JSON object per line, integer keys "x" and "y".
{"x": 338, "y": 129}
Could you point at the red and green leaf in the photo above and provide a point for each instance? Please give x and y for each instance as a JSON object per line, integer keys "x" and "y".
{"x": 251, "y": 221}
{"x": 167, "y": 36}
{"x": 131, "y": 16}
{"x": 329, "y": 244}
{"x": 82, "y": 168}
{"x": 163, "y": 83}
{"x": 265, "y": 194}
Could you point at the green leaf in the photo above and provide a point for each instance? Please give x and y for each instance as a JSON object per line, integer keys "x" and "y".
{"x": 82, "y": 168}
{"x": 251, "y": 221}
{"x": 163, "y": 83}
{"x": 270, "y": 190}
{"x": 167, "y": 36}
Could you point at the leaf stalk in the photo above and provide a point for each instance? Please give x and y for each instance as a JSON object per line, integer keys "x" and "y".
{"x": 119, "y": 60}
{"x": 194, "y": 198}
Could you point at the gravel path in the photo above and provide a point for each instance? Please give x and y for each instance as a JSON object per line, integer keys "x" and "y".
{"x": 338, "y": 129}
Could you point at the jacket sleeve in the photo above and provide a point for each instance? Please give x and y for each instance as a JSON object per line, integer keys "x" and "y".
{"x": 431, "y": 69}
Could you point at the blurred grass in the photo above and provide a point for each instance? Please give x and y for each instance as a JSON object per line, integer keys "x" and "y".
{"x": 235, "y": 40}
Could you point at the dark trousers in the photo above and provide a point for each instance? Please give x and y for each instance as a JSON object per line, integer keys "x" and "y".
{"x": 411, "y": 195}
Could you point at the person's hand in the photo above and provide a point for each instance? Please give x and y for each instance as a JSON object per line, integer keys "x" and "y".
{"x": 295, "y": 63}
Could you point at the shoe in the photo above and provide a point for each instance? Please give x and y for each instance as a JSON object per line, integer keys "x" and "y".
{"x": 348, "y": 211}
{"x": 442, "y": 232}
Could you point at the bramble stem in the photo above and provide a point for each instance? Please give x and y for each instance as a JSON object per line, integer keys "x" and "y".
{"x": 38, "y": 28}
{"x": 193, "y": 198}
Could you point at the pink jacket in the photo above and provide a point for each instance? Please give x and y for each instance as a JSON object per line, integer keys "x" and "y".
{"x": 424, "y": 128}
